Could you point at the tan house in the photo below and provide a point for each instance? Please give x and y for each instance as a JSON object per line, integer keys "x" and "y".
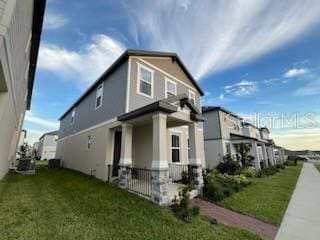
{"x": 224, "y": 130}
{"x": 20, "y": 30}
{"x": 139, "y": 126}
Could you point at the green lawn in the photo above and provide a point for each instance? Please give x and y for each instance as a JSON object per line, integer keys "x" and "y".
{"x": 64, "y": 204}
{"x": 266, "y": 198}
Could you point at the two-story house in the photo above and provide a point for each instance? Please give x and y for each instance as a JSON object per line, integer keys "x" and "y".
{"x": 138, "y": 125}
{"x": 20, "y": 30}
{"x": 224, "y": 130}
{"x": 47, "y": 145}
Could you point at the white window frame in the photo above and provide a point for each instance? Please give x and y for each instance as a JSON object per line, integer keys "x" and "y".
{"x": 166, "y": 87}
{"x": 73, "y": 116}
{"x": 140, "y": 66}
{"x": 95, "y": 103}
{"x": 174, "y": 148}
{"x": 194, "y": 96}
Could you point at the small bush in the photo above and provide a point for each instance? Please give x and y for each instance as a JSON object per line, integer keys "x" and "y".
{"x": 181, "y": 208}
{"x": 229, "y": 165}
{"x": 280, "y": 166}
{"x": 219, "y": 186}
{"x": 185, "y": 178}
{"x": 268, "y": 171}
{"x": 249, "y": 172}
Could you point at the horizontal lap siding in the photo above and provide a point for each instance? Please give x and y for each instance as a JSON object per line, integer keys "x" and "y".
{"x": 136, "y": 100}
{"x": 113, "y": 104}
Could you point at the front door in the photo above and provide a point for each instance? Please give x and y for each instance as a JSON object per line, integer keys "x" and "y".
{"x": 116, "y": 153}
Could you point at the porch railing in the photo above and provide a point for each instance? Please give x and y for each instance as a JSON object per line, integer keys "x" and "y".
{"x": 176, "y": 171}
{"x": 138, "y": 180}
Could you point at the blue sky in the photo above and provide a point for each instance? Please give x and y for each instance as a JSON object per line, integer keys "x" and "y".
{"x": 257, "y": 58}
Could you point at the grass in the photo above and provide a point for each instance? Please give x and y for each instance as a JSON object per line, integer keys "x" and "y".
{"x": 317, "y": 165}
{"x": 64, "y": 204}
{"x": 266, "y": 198}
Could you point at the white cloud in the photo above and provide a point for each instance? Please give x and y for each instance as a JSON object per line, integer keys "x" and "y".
{"x": 83, "y": 66}
{"x": 33, "y": 136}
{"x": 212, "y": 36}
{"x": 31, "y": 118}
{"x": 242, "y": 88}
{"x": 54, "y": 20}
{"x": 312, "y": 87}
{"x": 208, "y": 99}
{"x": 295, "y": 72}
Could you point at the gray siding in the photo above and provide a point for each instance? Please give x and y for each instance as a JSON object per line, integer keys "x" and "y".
{"x": 136, "y": 100}
{"x": 211, "y": 127}
{"x": 113, "y": 104}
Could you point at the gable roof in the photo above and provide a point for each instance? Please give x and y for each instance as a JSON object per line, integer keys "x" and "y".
{"x": 49, "y": 133}
{"x": 165, "y": 105}
{"x": 206, "y": 109}
{"x": 124, "y": 56}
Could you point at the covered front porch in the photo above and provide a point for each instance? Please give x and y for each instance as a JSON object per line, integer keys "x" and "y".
{"x": 144, "y": 151}
{"x": 258, "y": 149}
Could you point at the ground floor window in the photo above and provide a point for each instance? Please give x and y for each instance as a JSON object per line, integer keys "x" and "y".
{"x": 175, "y": 147}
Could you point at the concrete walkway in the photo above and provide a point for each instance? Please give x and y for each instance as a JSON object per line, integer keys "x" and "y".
{"x": 226, "y": 216}
{"x": 302, "y": 218}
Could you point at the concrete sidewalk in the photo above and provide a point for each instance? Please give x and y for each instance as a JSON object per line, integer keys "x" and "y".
{"x": 302, "y": 218}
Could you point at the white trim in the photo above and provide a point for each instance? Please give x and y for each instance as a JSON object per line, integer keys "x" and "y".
{"x": 166, "y": 86}
{"x": 73, "y": 116}
{"x": 165, "y": 73}
{"x": 195, "y": 98}
{"x": 139, "y": 79}
{"x": 128, "y": 85}
{"x": 113, "y": 120}
{"x": 101, "y": 85}
{"x": 176, "y": 148}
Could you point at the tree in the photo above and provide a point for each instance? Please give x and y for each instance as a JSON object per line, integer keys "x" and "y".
{"x": 243, "y": 149}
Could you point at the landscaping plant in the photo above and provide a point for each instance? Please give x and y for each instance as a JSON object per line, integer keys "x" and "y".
{"x": 181, "y": 207}
{"x": 229, "y": 165}
{"x": 219, "y": 186}
{"x": 243, "y": 150}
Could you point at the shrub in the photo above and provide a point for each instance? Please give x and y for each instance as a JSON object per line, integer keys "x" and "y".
{"x": 182, "y": 208}
{"x": 280, "y": 166}
{"x": 249, "y": 172}
{"x": 229, "y": 165}
{"x": 185, "y": 178}
{"x": 219, "y": 186}
{"x": 268, "y": 171}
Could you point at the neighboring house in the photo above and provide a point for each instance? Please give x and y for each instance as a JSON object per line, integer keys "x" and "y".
{"x": 21, "y": 23}
{"x": 47, "y": 145}
{"x": 223, "y": 130}
{"x": 141, "y": 118}
{"x": 35, "y": 150}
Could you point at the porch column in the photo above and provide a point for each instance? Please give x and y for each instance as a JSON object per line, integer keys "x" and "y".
{"x": 195, "y": 157}
{"x": 126, "y": 154}
{"x": 270, "y": 152}
{"x": 256, "y": 156}
{"x": 160, "y": 169}
{"x": 265, "y": 155}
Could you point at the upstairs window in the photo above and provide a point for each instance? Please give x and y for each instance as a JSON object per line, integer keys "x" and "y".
{"x": 192, "y": 97}
{"x": 171, "y": 88}
{"x": 72, "y": 116}
{"x": 99, "y": 96}
{"x": 145, "y": 81}
{"x": 175, "y": 148}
